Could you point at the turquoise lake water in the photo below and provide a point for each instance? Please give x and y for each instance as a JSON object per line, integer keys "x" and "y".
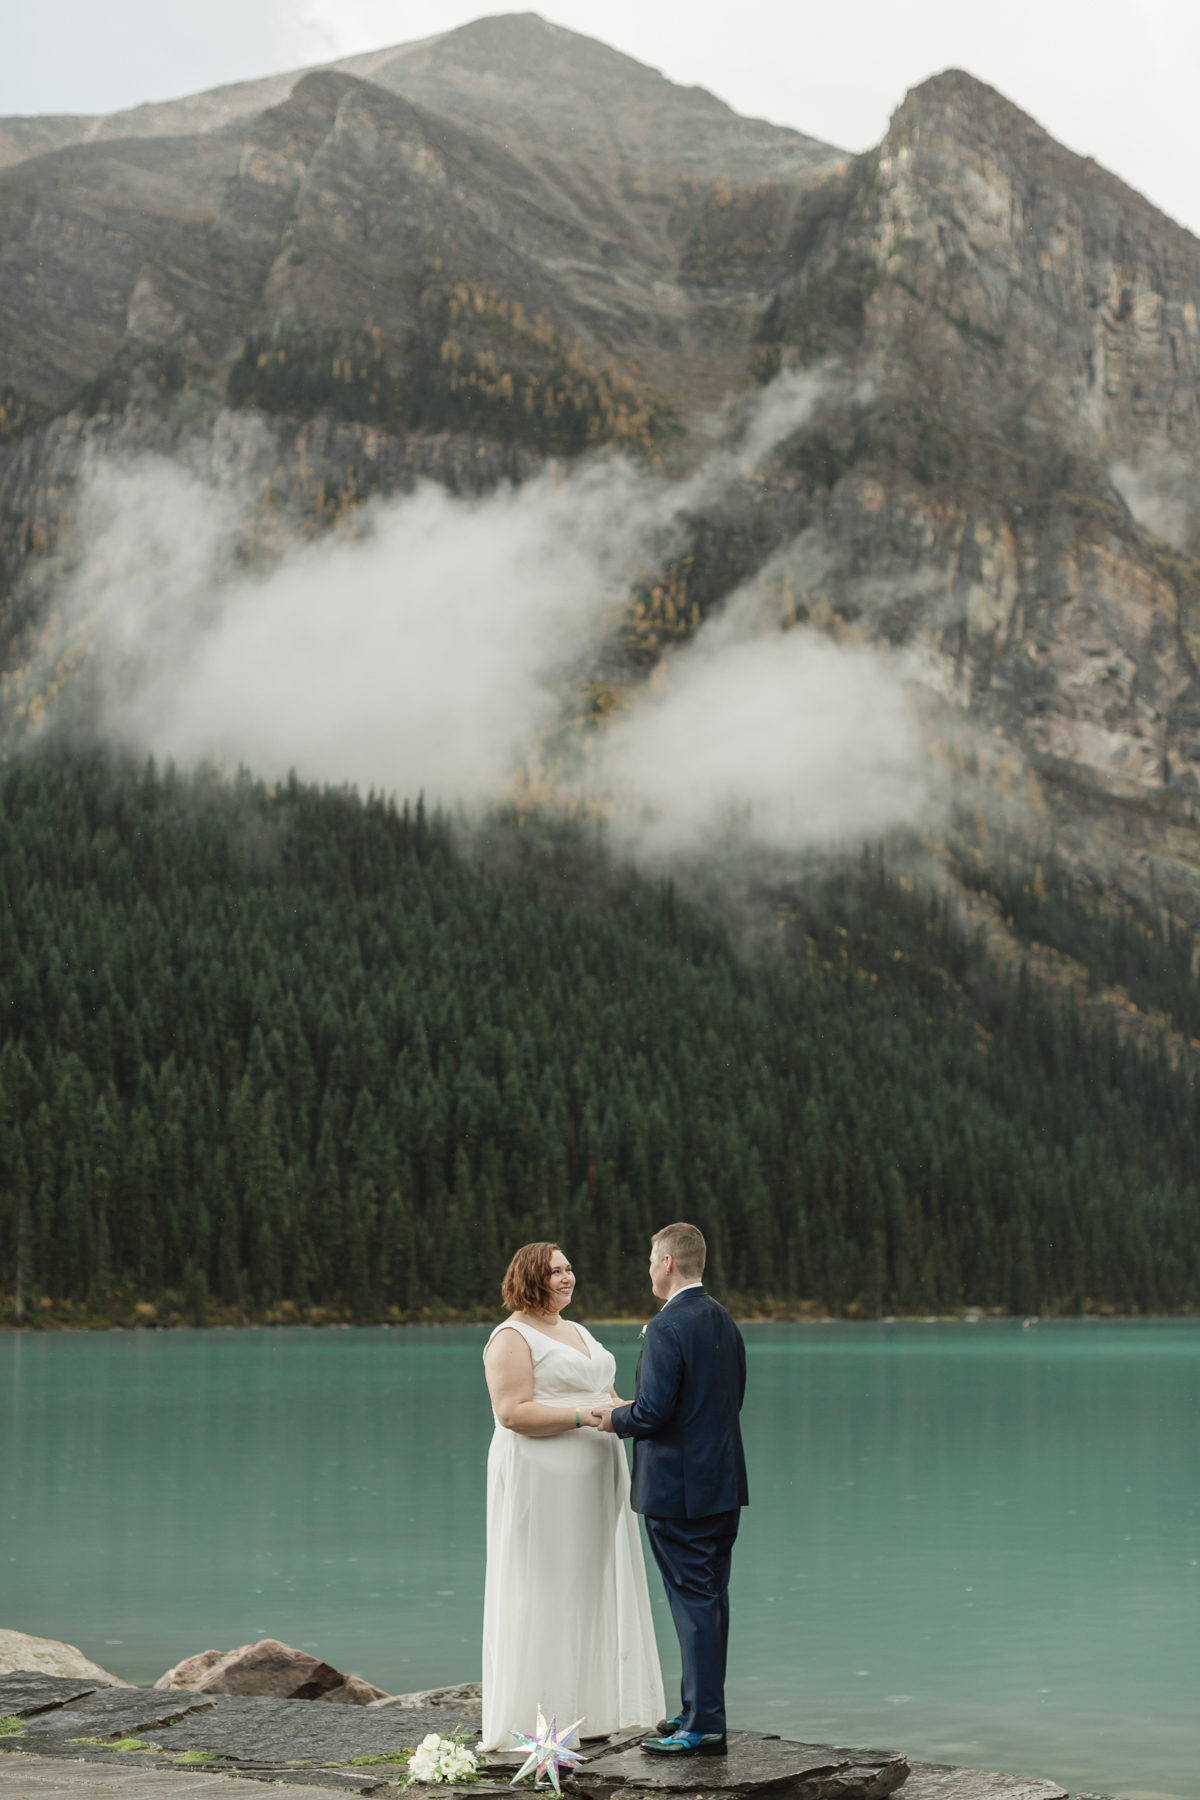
{"x": 974, "y": 1542}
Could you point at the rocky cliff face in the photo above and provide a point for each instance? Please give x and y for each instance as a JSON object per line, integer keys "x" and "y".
{"x": 1000, "y": 480}
{"x": 1011, "y": 493}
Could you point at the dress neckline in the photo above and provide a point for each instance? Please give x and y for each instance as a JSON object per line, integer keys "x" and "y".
{"x": 586, "y": 1354}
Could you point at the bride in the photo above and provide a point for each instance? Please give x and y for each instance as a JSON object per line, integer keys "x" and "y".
{"x": 566, "y": 1612}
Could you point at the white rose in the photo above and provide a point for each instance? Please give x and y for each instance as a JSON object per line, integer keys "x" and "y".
{"x": 431, "y": 1741}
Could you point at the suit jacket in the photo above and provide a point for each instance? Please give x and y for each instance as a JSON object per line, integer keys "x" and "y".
{"x": 687, "y": 1443}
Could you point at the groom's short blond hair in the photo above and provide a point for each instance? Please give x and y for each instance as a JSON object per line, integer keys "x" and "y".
{"x": 685, "y": 1244}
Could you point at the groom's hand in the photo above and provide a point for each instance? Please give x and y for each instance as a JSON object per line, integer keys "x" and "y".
{"x": 604, "y": 1418}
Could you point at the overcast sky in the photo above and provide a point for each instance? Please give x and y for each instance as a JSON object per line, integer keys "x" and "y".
{"x": 1109, "y": 80}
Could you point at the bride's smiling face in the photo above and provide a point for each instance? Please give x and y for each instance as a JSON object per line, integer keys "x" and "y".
{"x": 562, "y": 1283}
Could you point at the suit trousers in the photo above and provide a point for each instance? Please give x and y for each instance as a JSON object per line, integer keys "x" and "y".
{"x": 694, "y": 1556}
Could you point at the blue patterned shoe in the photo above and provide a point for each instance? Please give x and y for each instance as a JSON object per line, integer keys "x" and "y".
{"x": 687, "y": 1743}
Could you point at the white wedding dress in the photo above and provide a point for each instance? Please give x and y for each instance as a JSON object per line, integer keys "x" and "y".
{"x": 566, "y": 1610}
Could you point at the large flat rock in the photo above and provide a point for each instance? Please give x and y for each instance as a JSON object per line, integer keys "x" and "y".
{"x": 29, "y": 1691}
{"x": 303, "y": 1743}
{"x": 277, "y": 1732}
{"x": 259, "y": 1735}
{"x": 49, "y": 1778}
{"x": 115, "y": 1713}
{"x": 942, "y": 1781}
{"x": 755, "y": 1764}
{"x": 266, "y": 1740}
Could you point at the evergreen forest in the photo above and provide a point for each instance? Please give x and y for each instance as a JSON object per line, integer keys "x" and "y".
{"x": 286, "y": 1053}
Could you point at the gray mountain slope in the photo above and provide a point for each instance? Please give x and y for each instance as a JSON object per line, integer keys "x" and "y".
{"x": 509, "y": 151}
{"x": 1000, "y": 483}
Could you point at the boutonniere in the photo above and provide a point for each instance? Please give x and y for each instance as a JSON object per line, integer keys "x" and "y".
{"x": 644, "y": 1329}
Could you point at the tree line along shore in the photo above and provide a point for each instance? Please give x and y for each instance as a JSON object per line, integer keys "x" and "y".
{"x": 287, "y": 1055}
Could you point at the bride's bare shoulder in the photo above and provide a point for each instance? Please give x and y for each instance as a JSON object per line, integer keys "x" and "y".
{"x": 507, "y": 1343}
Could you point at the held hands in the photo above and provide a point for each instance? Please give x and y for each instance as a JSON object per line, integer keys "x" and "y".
{"x": 599, "y": 1418}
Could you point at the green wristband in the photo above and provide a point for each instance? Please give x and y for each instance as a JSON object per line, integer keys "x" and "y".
{"x": 577, "y": 1419}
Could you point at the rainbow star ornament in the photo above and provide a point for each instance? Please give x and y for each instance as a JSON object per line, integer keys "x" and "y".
{"x": 546, "y": 1753}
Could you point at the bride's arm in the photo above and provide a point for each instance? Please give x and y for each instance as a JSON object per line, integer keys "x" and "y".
{"x": 508, "y": 1362}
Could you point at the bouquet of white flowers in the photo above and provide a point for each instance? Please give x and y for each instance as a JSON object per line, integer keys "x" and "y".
{"x": 442, "y": 1759}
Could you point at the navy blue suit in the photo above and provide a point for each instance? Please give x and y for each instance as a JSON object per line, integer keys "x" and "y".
{"x": 689, "y": 1480}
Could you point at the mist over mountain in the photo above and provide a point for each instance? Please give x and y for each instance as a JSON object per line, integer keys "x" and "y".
{"x": 462, "y": 259}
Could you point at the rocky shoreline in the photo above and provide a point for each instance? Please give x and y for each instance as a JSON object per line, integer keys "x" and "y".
{"x": 359, "y": 1745}
{"x": 361, "y": 1750}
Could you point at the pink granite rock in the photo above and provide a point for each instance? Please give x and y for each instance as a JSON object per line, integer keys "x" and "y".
{"x": 354, "y": 1691}
{"x": 269, "y": 1668}
{"x": 187, "y": 1674}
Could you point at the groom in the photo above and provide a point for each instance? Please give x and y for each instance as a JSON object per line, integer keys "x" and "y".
{"x": 689, "y": 1476}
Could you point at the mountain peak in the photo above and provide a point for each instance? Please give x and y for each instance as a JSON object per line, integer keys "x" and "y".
{"x": 965, "y": 106}
{"x": 971, "y": 116}
{"x": 508, "y": 45}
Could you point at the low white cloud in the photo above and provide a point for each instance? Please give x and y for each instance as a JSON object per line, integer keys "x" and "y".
{"x": 782, "y": 408}
{"x": 432, "y": 649}
{"x": 1160, "y": 492}
{"x": 425, "y": 652}
{"x": 784, "y": 740}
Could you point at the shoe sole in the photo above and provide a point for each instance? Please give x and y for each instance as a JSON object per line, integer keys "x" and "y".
{"x": 699, "y": 1750}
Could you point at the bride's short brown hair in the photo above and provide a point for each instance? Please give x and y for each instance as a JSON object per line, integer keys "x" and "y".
{"x": 527, "y": 1283}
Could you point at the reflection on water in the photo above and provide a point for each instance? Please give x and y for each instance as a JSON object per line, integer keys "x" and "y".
{"x": 975, "y": 1542}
